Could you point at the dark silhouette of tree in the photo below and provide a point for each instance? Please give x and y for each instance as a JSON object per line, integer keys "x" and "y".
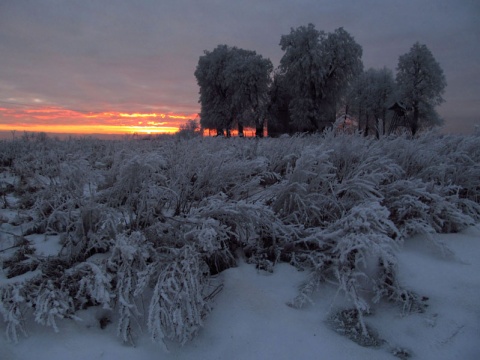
{"x": 233, "y": 89}
{"x": 318, "y": 68}
{"x": 369, "y": 98}
{"x": 421, "y": 84}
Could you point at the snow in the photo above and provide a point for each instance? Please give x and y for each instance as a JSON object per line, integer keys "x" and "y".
{"x": 145, "y": 250}
{"x": 46, "y": 245}
{"x": 250, "y": 318}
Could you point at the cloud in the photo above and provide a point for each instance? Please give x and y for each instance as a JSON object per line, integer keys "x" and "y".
{"x": 139, "y": 57}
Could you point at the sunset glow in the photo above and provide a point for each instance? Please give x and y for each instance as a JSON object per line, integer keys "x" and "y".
{"x": 60, "y": 120}
{"x": 163, "y": 116}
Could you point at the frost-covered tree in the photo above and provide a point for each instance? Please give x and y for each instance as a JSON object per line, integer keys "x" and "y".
{"x": 249, "y": 75}
{"x": 233, "y": 88}
{"x": 370, "y": 97}
{"x": 214, "y": 91}
{"x": 421, "y": 83}
{"x": 318, "y": 67}
{"x": 343, "y": 63}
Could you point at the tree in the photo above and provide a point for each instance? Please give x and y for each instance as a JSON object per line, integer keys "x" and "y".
{"x": 189, "y": 130}
{"x": 343, "y": 63}
{"x": 318, "y": 67}
{"x": 233, "y": 88}
{"x": 213, "y": 90}
{"x": 370, "y": 97}
{"x": 249, "y": 75}
{"x": 421, "y": 84}
{"x": 279, "y": 121}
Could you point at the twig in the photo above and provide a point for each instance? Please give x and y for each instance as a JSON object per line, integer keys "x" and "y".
{"x": 24, "y": 241}
{"x": 214, "y": 293}
{"x": 455, "y": 333}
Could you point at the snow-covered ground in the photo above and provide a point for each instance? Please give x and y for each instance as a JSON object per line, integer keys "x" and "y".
{"x": 251, "y": 320}
{"x": 111, "y": 243}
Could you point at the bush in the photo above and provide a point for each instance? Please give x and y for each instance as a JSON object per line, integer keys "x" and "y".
{"x": 153, "y": 221}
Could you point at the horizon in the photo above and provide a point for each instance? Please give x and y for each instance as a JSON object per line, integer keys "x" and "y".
{"x": 67, "y": 121}
{"x": 15, "y": 134}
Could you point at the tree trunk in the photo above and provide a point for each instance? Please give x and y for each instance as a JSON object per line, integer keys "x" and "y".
{"x": 384, "y": 116}
{"x": 366, "y": 126}
{"x": 240, "y": 129}
{"x": 414, "y": 122}
{"x": 259, "y": 131}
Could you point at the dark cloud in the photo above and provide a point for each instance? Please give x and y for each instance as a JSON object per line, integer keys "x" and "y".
{"x": 139, "y": 56}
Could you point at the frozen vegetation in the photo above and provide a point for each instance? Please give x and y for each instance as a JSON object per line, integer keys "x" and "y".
{"x": 171, "y": 238}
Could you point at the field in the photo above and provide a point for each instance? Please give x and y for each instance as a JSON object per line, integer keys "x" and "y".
{"x": 329, "y": 245}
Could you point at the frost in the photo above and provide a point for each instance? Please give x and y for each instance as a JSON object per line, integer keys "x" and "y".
{"x": 166, "y": 216}
{"x": 178, "y": 305}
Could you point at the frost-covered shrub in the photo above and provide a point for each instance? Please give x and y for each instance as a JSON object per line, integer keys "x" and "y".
{"x": 21, "y": 260}
{"x": 52, "y": 302}
{"x": 201, "y": 168}
{"x": 349, "y": 323}
{"x": 129, "y": 259}
{"x": 61, "y": 190}
{"x": 251, "y": 228}
{"x": 149, "y": 222}
{"x": 246, "y": 222}
{"x": 93, "y": 285}
{"x": 463, "y": 156}
{"x": 443, "y": 160}
{"x": 178, "y": 306}
{"x": 91, "y": 232}
{"x": 212, "y": 239}
{"x": 386, "y": 286}
{"x": 12, "y": 308}
{"x": 423, "y": 208}
{"x": 282, "y": 153}
{"x": 413, "y": 156}
{"x": 348, "y": 253}
{"x": 8, "y": 152}
{"x": 332, "y": 177}
{"x": 307, "y": 196}
{"x": 137, "y": 189}
{"x": 174, "y": 280}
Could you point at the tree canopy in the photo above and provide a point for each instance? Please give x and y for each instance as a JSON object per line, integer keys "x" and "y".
{"x": 319, "y": 75}
{"x": 421, "y": 84}
{"x": 318, "y": 68}
{"x": 233, "y": 88}
{"x": 370, "y": 96}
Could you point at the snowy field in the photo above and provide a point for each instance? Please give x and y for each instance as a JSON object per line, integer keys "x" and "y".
{"x": 333, "y": 247}
{"x": 251, "y": 320}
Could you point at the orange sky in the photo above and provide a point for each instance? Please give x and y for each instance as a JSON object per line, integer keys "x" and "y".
{"x": 59, "y": 120}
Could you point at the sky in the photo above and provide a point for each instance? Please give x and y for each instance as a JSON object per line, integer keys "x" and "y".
{"x": 120, "y": 66}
